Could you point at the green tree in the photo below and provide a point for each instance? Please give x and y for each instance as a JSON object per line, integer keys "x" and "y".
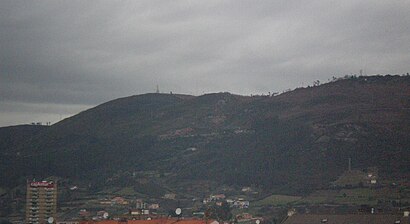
{"x": 220, "y": 213}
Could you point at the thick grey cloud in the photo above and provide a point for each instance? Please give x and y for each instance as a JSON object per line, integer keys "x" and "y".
{"x": 60, "y": 57}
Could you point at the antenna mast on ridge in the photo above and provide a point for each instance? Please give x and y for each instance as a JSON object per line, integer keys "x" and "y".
{"x": 157, "y": 89}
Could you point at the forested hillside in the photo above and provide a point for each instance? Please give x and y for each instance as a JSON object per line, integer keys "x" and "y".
{"x": 294, "y": 142}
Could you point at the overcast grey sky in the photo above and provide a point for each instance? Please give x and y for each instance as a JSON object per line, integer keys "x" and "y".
{"x": 60, "y": 57}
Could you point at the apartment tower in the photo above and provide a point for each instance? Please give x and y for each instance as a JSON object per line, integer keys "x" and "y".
{"x": 41, "y": 206}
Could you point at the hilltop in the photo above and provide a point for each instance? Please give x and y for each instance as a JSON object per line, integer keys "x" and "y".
{"x": 294, "y": 142}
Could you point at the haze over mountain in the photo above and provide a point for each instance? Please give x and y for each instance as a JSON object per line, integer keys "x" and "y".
{"x": 294, "y": 142}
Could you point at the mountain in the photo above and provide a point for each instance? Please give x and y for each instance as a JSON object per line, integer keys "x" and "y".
{"x": 293, "y": 142}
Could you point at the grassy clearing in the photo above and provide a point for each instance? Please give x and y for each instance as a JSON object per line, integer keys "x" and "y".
{"x": 358, "y": 192}
{"x": 357, "y": 196}
{"x": 277, "y": 199}
{"x": 126, "y": 191}
{"x": 109, "y": 191}
{"x": 320, "y": 197}
{"x": 354, "y": 177}
{"x": 129, "y": 191}
{"x": 314, "y": 200}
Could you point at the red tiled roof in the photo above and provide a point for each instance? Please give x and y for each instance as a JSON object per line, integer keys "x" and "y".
{"x": 153, "y": 221}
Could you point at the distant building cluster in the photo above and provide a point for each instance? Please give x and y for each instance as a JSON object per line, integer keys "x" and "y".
{"x": 218, "y": 199}
{"x": 42, "y": 209}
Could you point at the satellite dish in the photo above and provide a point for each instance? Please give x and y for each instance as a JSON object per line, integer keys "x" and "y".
{"x": 258, "y": 221}
{"x": 178, "y": 211}
{"x": 50, "y": 220}
{"x": 105, "y": 215}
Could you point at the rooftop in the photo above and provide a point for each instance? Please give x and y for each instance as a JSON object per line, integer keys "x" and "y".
{"x": 153, "y": 221}
{"x": 347, "y": 219}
